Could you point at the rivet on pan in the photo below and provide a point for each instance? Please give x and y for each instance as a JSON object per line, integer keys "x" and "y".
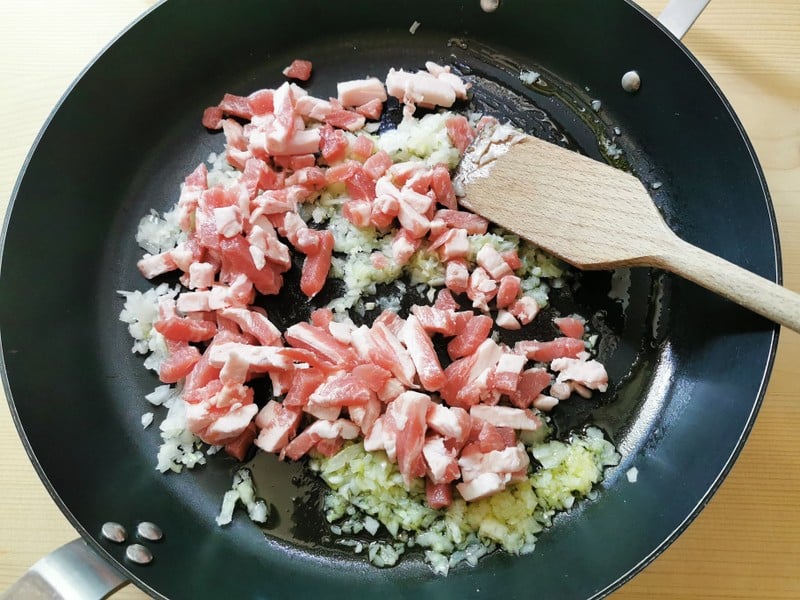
{"x": 138, "y": 554}
{"x": 149, "y": 531}
{"x": 489, "y": 5}
{"x": 114, "y": 532}
{"x": 631, "y": 82}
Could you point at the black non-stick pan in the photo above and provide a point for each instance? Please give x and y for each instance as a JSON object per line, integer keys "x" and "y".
{"x": 688, "y": 370}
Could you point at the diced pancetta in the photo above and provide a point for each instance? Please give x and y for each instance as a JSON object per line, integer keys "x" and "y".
{"x": 588, "y": 373}
{"x": 506, "y": 416}
{"x": 259, "y": 358}
{"x": 358, "y": 92}
{"x": 299, "y": 69}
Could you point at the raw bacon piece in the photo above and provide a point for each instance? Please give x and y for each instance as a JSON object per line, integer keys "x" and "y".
{"x": 212, "y": 117}
{"x": 424, "y": 89}
{"x": 459, "y": 132}
{"x": 360, "y": 91}
{"x": 261, "y": 102}
{"x": 531, "y": 384}
{"x": 259, "y": 358}
{"x": 239, "y": 447}
{"x": 317, "y": 431}
{"x": 316, "y": 266}
{"x": 377, "y": 164}
{"x": 506, "y": 416}
{"x": 360, "y": 185}
{"x": 404, "y": 245}
{"x": 408, "y": 412}
{"x": 363, "y": 148}
{"x": 254, "y": 323}
{"x": 437, "y": 320}
{"x": 438, "y": 495}
{"x": 491, "y": 260}
{"x": 481, "y": 289}
{"x": 345, "y": 119}
{"x": 452, "y": 423}
{"x": 366, "y": 415}
{"x": 313, "y": 108}
{"x": 588, "y": 373}
{"x": 386, "y": 350}
{"x": 223, "y": 415}
{"x": 420, "y": 347}
{"x": 236, "y": 259}
{"x": 320, "y": 343}
{"x": 482, "y": 486}
{"x": 506, "y": 375}
{"x": 461, "y": 219}
{"x": 487, "y": 473}
{"x": 236, "y": 106}
{"x": 153, "y": 265}
{"x": 184, "y": 329}
{"x": 371, "y": 110}
{"x": 456, "y": 276}
{"x": 341, "y": 389}
{"x": 525, "y": 309}
{"x": 506, "y": 320}
{"x": 442, "y": 464}
{"x": 299, "y": 69}
{"x": 476, "y": 330}
{"x": 451, "y": 244}
{"x": 442, "y": 186}
{"x": 277, "y": 424}
{"x": 373, "y": 376}
{"x": 445, "y": 300}
{"x": 561, "y": 347}
{"x": 507, "y": 291}
{"x": 201, "y": 275}
{"x": 304, "y": 383}
{"x": 180, "y": 362}
{"x": 571, "y": 326}
{"x": 333, "y": 144}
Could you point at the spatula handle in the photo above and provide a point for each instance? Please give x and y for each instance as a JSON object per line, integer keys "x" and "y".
{"x": 731, "y": 281}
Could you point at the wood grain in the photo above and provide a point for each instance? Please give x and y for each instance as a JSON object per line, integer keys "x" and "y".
{"x": 746, "y": 543}
{"x": 595, "y": 216}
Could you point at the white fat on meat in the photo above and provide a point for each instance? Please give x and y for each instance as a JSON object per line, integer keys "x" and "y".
{"x": 482, "y": 486}
{"x": 260, "y": 358}
{"x": 590, "y": 374}
{"x": 358, "y": 92}
{"x": 427, "y": 89}
{"x": 201, "y": 275}
{"x": 506, "y": 461}
{"x": 441, "y": 462}
{"x": 450, "y": 422}
{"x": 506, "y": 416}
{"x": 277, "y": 426}
{"x": 231, "y": 424}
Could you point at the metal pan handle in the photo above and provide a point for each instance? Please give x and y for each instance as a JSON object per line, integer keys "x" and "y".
{"x": 72, "y": 572}
{"x": 679, "y": 15}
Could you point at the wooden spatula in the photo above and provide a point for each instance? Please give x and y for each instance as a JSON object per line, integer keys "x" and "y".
{"x": 595, "y": 216}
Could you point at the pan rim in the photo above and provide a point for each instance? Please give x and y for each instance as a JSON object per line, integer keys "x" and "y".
{"x": 707, "y": 496}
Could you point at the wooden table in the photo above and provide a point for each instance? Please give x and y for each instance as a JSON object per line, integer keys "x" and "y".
{"x": 746, "y": 543}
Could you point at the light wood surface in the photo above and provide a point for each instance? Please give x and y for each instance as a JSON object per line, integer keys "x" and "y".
{"x": 746, "y": 543}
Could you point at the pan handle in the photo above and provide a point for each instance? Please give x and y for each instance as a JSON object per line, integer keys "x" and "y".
{"x": 679, "y": 15}
{"x": 72, "y": 572}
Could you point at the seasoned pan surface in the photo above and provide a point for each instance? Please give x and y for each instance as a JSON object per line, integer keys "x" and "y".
{"x": 671, "y": 360}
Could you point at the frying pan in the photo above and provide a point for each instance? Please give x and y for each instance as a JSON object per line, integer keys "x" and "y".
{"x": 672, "y": 380}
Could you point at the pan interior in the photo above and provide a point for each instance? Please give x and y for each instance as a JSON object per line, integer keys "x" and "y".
{"x": 667, "y": 344}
